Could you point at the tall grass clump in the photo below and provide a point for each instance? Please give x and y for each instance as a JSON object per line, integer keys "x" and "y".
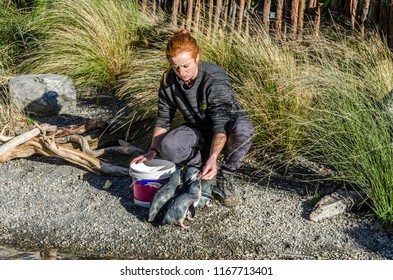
{"x": 11, "y": 45}
{"x": 351, "y": 124}
{"x": 139, "y": 89}
{"x": 14, "y": 38}
{"x": 91, "y": 41}
{"x": 265, "y": 78}
{"x": 138, "y": 85}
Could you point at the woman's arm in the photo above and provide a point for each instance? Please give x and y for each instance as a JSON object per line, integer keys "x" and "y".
{"x": 210, "y": 169}
{"x": 158, "y": 134}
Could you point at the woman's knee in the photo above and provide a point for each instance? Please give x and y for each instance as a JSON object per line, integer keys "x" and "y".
{"x": 179, "y": 144}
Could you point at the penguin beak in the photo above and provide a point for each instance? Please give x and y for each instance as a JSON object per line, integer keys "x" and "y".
{"x": 196, "y": 176}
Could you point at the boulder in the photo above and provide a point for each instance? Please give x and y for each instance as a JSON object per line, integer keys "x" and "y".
{"x": 43, "y": 94}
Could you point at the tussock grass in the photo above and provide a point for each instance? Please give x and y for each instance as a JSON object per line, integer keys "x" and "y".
{"x": 350, "y": 127}
{"x": 138, "y": 85}
{"x": 12, "y": 120}
{"x": 139, "y": 89}
{"x": 91, "y": 41}
{"x": 13, "y": 35}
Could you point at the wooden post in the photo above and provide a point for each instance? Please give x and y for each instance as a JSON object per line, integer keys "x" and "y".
{"x": 266, "y": 14}
{"x": 190, "y": 4}
{"x": 225, "y": 16}
{"x": 354, "y": 6}
{"x": 197, "y": 14}
{"x": 366, "y": 6}
{"x": 302, "y": 8}
{"x": 248, "y": 16}
{"x": 294, "y": 15}
{"x": 175, "y": 9}
{"x": 280, "y": 6}
{"x": 318, "y": 19}
{"x": 210, "y": 23}
{"x": 233, "y": 15}
{"x": 312, "y": 4}
{"x": 242, "y": 4}
{"x": 217, "y": 15}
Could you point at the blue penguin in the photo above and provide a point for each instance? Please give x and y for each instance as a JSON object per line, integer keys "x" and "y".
{"x": 164, "y": 194}
{"x": 181, "y": 207}
{"x": 207, "y": 194}
{"x": 209, "y": 191}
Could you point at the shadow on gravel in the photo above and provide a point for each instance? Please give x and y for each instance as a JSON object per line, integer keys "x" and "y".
{"x": 119, "y": 187}
{"x": 62, "y": 120}
{"x": 50, "y": 160}
{"x": 297, "y": 179}
{"x": 370, "y": 237}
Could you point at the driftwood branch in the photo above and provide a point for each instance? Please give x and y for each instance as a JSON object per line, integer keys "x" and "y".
{"x": 80, "y": 129}
{"x": 57, "y": 142}
{"x": 17, "y": 140}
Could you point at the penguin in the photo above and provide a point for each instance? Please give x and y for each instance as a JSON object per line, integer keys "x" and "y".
{"x": 164, "y": 194}
{"x": 181, "y": 207}
{"x": 207, "y": 194}
{"x": 190, "y": 175}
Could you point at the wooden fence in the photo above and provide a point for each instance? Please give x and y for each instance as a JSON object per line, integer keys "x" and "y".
{"x": 279, "y": 17}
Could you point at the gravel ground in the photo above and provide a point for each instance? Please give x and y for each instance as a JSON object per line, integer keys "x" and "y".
{"x": 48, "y": 203}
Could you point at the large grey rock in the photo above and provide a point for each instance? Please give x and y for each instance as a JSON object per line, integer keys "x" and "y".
{"x": 43, "y": 94}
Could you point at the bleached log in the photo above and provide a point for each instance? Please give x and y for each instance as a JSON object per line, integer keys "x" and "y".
{"x": 336, "y": 203}
{"x": 17, "y": 140}
{"x": 27, "y": 149}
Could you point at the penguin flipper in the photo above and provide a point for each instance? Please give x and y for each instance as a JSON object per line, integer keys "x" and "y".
{"x": 207, "y": 195}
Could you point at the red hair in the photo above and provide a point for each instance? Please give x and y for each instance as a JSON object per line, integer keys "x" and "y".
{"x": 182, "y": 41}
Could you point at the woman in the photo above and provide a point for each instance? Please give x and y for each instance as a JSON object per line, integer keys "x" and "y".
{"x": 214, "y": 121}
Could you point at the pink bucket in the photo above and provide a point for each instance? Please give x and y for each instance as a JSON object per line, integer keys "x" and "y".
{"x": 144, "y": 191}
{"x": 148, "y": 177}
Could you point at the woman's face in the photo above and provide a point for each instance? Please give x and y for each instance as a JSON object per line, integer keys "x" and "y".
{"x": 185, "y": 67}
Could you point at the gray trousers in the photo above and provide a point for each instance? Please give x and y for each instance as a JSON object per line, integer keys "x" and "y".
{"x": 187, "y": 145}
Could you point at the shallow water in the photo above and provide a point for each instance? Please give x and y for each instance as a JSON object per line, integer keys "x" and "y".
{"x": 8, "y": 253}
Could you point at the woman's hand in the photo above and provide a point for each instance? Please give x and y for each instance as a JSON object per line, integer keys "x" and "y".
{"x": 148, "y": 156}
{"x": 210, "y": 169}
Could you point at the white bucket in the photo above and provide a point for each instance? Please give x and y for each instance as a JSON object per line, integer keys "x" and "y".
{"x": 148, "y": 177}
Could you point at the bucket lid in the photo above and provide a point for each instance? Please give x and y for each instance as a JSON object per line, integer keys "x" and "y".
{"x": 152, "y": 169}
